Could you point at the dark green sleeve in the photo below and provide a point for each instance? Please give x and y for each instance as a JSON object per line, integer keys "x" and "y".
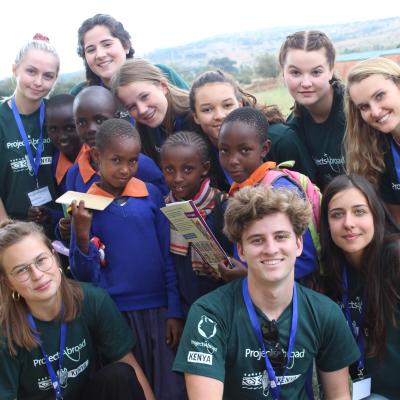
{"x": 111, "y": 333}
{"x": 338, "y": 348}
{"x": 173, "y": 76}
{"x": 77, "y": 88}
{"x": 286, "y": 145}
{"x": 9, "y": 374}
{"x": 202, "y": 348}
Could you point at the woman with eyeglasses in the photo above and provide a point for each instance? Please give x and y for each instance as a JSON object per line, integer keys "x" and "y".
{"x": 53, "y": 330}
{"x": 361, "y": 254}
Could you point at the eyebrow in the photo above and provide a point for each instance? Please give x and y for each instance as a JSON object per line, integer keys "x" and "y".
{"x": 26, "y": 264}
{"x": 342, "y": 208}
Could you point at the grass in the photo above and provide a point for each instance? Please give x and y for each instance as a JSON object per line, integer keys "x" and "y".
{"x": 279, "y": 96}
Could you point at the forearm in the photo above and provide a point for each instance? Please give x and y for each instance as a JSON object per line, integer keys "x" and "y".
{"x": 201, "y": 387}
{"x": 3, "y": 212}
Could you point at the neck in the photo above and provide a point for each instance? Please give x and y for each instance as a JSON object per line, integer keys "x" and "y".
{"x": 109, "y": 189}
{"x": 47, "y": 310}
{"x": 321, "y": 109}
{"x": 271, "y": 299}
{"x": 24, "y": 105}
{"x": 354, "y": 259}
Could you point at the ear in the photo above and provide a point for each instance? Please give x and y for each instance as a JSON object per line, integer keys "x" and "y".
{"x": 206, "y": 168}
{"x": 299, "y": 245}
{"x": 240, "y": 251}
{"x": 5, "y": 282}
{"x": 266, "y": 146}
{"x": 195, "y": 118}
{"x": 14, "y": 70}
{"x": 94, "y": 154}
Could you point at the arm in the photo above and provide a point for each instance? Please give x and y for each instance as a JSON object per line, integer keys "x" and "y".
{"x": 131, "y": 360}
{"x": 3, "y": 212}
{"x": 336, "y": 384}
{"x": 202, "y": 387}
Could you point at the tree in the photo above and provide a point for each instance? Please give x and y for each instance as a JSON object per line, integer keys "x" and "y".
{"x": 224, "y": 63}
{"x": 267, "y": 66}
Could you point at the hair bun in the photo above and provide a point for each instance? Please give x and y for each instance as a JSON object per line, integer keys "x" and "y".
{"x": 39, "y": 36}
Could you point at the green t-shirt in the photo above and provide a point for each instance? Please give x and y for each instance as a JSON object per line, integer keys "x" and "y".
{"x": 286, "y": 146}
{"x": 16, "y": 174}
{"x": 385, "y": 373}
{"x": 389, "y": 184}
{"x": 218, "y": 342}
{"x": 324, "y": 140}
{"x": 100, "y": 326}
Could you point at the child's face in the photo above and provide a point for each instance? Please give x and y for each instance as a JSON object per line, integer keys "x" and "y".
{"x": 117, "y": 163}
{"x": 89, "y": 114}
{"x": 183, "y": 170}
{"x": 145, "y": 101}
{"x": 213, "y": 102}
{"x": 240, "y": 150}
{"x": 36, "y": 74}
{"x": 307, "y": 75}
{"x": 62, "y": 131}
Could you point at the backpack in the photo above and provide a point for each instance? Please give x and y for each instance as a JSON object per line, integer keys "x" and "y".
{"x": 311, "y": 191}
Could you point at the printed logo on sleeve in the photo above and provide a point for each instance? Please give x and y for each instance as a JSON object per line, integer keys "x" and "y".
{"x": 200, "y": 358}
{"x": 207, "y": 327}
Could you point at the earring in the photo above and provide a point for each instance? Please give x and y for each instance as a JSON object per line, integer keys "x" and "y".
{"x": 61, "y": 271}
{"x": 15, "y": 295}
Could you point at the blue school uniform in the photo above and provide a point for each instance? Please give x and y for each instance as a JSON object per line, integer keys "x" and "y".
{"x": 139, "y": 275}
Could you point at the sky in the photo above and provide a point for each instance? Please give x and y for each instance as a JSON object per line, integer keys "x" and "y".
{"x": 169, "y": 23}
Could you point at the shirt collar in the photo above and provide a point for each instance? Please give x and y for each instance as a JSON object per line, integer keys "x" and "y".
{"x": 134, "y": 188}
{"x": 85, "y": 169}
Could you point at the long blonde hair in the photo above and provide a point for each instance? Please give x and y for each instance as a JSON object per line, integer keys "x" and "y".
{"x": 364, "y": 144}
{"x": 14, "y": 324}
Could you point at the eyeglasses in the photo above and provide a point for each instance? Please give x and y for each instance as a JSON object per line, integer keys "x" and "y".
{"x": 43, "y": 262}
{"x": 277, "y": 354}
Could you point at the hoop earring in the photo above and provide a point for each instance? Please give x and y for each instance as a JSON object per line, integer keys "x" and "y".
{"x": 15, "y": 295}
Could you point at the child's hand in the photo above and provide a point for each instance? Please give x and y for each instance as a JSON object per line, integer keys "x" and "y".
{"x": 82, "y": 221}
{"x": 211, "y": 272}
{"x": 39, "y": 214}
{"x": 229, "y": 274}
{"x": 64, "y": 226}
{"x": 174, "y": 329}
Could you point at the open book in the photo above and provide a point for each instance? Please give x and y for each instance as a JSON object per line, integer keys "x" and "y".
{"x": 187, "y": 220}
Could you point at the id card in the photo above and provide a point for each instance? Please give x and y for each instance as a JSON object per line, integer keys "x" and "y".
{"x": 361, "y": 388}
{"x": 40, "y": 196}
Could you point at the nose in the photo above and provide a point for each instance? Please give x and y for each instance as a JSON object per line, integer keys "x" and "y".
{"x": 100, "y": 52}
{"x": 348, "y": 220}
{"x": 270, "y": 246}
{"x": 375, "y": 110}
{"x": 141, "y": 107}
{"x": 124, "y": 169}
{"x": 178, "y": 177}
{"x": 38, "y": 80}
{"x": 35, "y": 272}
{"x": 219, "y": 114}
{"x": 306, "y": 81}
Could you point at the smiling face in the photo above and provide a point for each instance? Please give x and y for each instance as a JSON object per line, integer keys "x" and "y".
{"x": 351, "y": 223}
{"x": 145, "y": 101}
{"x": 117, "y": 163}
{"x": 35, "y": 74}
{"x": 183, "y": 170}
{"x": 62, "y": 131}
{"x": 213, "y": 102}
{"x": 240, "y": 150}
{"x": 104, "y": 53}
{"x": 378, "y": 101}
{"x": 269, "y": 247}
{"x": 89, "y": 113}
{"x": 41, "y": 288}
{"x": 307, "y": 75}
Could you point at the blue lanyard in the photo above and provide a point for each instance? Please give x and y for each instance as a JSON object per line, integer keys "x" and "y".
{"x": 359, "y": 337}
{"x": 396, "y": 157}
{"x": 257, "y": 330}
{"x": 35, "y": 162}
{"x": 55, "y": 380}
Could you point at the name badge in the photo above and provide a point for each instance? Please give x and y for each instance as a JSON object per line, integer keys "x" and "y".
{"x": 40, "y": 196}
{"x": 361, "y": 388}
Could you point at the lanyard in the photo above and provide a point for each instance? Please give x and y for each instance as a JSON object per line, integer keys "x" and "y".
{"x": 358, "y": 336}
{"x": 396, "y": 157}
{"x": 35, "y": 162}
{"x": 257, "y": 330}
{"x": 55, "y": 380}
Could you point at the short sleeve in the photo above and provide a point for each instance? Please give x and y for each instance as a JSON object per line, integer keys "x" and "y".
{"x": 338, "y": 348}
{"x": 111, "y": 333}
{"x": 203, "y": 345}
{"x": 9, "y": 376}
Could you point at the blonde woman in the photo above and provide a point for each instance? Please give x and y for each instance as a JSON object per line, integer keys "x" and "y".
{"x": 372, "y": 139}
